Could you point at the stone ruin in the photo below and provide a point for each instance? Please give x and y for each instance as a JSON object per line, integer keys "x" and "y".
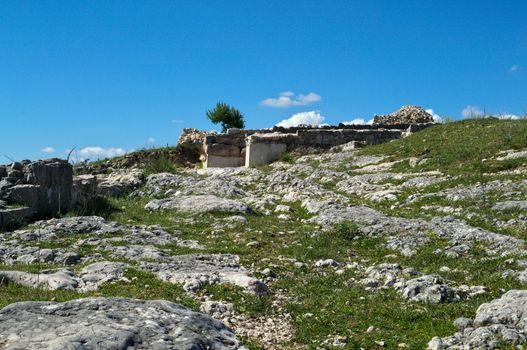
{"x": 405, "y": 115}
{"x": 41, "y": 188}
{"x": 252, "y": 148}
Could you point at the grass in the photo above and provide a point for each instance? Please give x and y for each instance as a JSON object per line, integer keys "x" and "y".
{"x": 161, "y": 164}
{"x": 459, "y": 147}
{"x": 248, "y": 304}
{"x": 151, "y": 159}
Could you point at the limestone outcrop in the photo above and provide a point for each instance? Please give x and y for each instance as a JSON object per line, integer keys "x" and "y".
{"x": 111, "y": 323}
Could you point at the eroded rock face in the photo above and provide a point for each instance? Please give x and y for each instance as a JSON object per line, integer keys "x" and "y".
{"x": 111, "y": 323}
{"x": 199, "y": 204}
{"x": 193, "y": 271}
{"x": 501, "y": 321}
{"x": 119, "y": 182}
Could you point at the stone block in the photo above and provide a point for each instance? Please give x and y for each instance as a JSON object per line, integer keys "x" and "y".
{"x": 213, "y": 161}
{"x": 84, "y": 191}
{"x": 15, "y": 216}
{"x": 233, "y": 131}
{"x": 223, "y": 150}
{"x": 49, "y": 173}
{"x": 28, "y": 195}
{"x": 258, "y": 154}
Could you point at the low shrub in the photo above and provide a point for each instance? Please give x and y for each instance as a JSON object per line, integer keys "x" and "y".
{"x": 161, "y": 164}
{"x": 347, "y": 230}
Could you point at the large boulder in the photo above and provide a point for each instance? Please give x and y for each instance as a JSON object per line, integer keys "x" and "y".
{"x": 111, "y": 323}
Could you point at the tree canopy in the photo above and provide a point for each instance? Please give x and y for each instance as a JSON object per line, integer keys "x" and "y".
{"x": 227, "y": 116}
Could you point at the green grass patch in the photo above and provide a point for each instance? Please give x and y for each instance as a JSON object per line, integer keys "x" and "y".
{"x": 459, "y": 147}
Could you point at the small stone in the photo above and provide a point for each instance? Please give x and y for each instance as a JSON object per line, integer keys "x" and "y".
{"x": 444, "y": 269}
{"x": 267, "y": 272}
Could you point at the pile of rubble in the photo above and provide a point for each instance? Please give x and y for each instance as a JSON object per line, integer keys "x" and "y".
{"x": 193, "y": 136}
{"x": 405, "y": 115}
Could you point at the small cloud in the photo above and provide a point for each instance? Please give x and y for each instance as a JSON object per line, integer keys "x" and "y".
{"x": 508, "y": 116}
{"x": 471, "y": 112}
{"x": 96, "y": 152}
{"x": 151, "y": 140}
{"x": 309, "y": 118}
{"x": 437, "y": 117}
{"x": 288, "y": 99}
{"x": 48, "y": 150}
{"x": 514, "y": 68}
{"x": 177, "y": 121}
{"x": 356, "y": 121}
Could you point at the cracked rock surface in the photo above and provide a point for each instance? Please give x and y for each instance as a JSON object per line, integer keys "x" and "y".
{"x": 501, "y": 320}
{"x": 110, "y": 323}
{"x": 199, "y": 204}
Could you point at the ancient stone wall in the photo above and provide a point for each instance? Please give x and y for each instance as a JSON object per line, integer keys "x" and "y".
{"x": 259, "y": 147}
{"x": 268, "y": 147}
{"x": 225, "y": 150}
{"x": 43, "y": 185}
{"x": 40, "y": 188}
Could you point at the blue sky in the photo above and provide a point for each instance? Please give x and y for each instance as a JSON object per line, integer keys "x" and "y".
{"x": 131, "y": 74}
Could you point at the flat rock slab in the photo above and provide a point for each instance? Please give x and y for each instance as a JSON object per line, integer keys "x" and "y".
{"x": 193, "y": 271}
{"x": 510, "y": 205}
{"x": 90, "y": 278}
{"x": 111, "y": 323}
{"x": 58, "y": 280}
{"x": 199, "y": 204}
{"x": 218, "y": 184}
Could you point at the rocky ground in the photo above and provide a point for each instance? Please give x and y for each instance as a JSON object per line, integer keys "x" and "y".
{"x": 371, "y": 248}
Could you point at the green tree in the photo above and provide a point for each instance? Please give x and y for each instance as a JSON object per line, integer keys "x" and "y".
{"x": 227, "y": 116}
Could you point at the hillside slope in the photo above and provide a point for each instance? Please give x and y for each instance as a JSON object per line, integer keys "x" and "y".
{"x": 382, "y": 247}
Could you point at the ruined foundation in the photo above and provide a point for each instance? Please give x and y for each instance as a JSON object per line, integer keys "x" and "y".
{"x": 252, "y": 148}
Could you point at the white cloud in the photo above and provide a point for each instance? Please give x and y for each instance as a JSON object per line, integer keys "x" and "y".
{"x": 514, "y": 68}
{"x": 437, "y": 117}
{"x": 288, "y": 99}
{"x": 151, "y": 140}
{"x": 471, "y": 112}
{"x": 48, "y": 150}
{"x": 508, "y": 116}
{"x": 177, "y": 121}
{"x": 309, "y": 118}
{"x": 96, "y": 152}
{"x": 356, "y": 121}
